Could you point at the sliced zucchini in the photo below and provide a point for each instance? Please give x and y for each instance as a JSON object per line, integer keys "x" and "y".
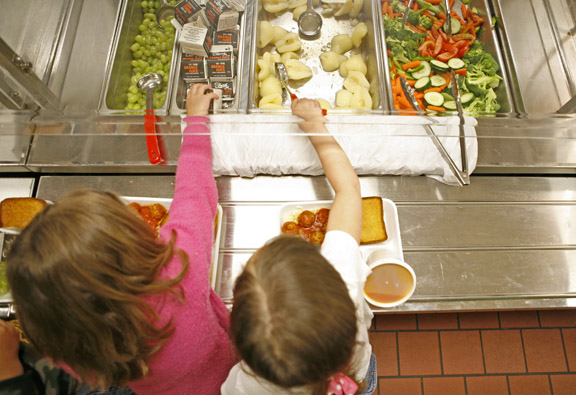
{"x": 467, "y": 97}
{"x": 456, "y": 63}
{"x": 433, "y": 99}
{"x": 439, "y": 66}
{"x": 450, "y": 105}
{"x": 456, "y": 26}
{"x": 422, "y": 84}
{"x": 447, "y": 96}
{"x": 424, "y": 71}
{"x": 437, "y": 80}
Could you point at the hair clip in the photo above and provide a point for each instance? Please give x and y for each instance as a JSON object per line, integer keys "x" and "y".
{"x": 340, "y": 384}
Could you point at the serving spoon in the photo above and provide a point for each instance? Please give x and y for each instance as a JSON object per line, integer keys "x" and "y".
{"x": 309, "y": 22}
{"x": 148, "y": 83}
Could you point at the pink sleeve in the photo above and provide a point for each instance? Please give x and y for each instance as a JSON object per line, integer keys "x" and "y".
{"x": 193, "y": 208}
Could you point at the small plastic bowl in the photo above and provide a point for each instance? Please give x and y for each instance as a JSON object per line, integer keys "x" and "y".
{"x": 397, "y": 284}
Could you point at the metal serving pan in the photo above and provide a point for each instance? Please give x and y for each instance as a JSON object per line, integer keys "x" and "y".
{"x": 487, "y": 36}
{"x": 119, "y": 69}
{"x": 323, "y": 85}
{"x": 179, "y": 87}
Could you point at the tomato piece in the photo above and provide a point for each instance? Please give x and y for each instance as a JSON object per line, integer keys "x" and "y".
{"x": 426, "y": 45}
{"x": 437, "y": 46}
{"x": 444, "y": 57}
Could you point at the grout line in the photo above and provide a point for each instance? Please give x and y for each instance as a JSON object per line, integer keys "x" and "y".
{"x": 482, "y": 348}
{"x": 471, "y": 329}
{"x": 550, "y": 384}
{"x": 417, "y": 322}
{"x": 422, "y": 385}
{"x": 440, "y": 352}
{"x": 499, "y": 321}
{"x": 432, "y": 376}
{"x": 539, "y": 321}
{"x": 523, "y": 349}
{"x": 564, "y": 349}
{"x": 458, "y": 320}
{"x": 508, "y": 383}
{"x": 398, "y": 354}
{"x": 465, "y": 385}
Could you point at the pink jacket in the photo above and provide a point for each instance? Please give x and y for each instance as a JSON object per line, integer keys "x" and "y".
{"x": 198, "y": 356}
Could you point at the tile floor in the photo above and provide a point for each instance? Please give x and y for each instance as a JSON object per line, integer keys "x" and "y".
{"x": 476, "y": 353}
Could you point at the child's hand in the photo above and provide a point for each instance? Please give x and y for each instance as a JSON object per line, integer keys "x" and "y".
{"x": 308, "y": 109}
{"x": 10, "y": 365}
{"x": 198, "y": 101}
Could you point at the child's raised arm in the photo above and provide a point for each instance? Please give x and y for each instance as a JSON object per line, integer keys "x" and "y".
{"x": 346, "y": 212}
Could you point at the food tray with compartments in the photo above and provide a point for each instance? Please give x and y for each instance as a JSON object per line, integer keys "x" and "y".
{"x": 393, "y": 244}
{"x": 217, "y": 228}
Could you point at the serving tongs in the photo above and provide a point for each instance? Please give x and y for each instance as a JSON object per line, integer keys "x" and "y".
{"x": 448, "y": 17}
{"x": 283, "y": 77}
{"x": 461, "y": 175}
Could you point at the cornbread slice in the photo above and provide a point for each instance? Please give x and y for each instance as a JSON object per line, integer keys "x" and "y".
{"x": 373, "y": 227}
{"x": 18, "y": 212}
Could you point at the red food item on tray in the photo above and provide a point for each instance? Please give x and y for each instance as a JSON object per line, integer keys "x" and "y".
{"x": 310, "y": 226}
{"x": 154, "y": 214}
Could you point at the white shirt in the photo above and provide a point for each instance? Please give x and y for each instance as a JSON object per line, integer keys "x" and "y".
{"x": 342, "y": 251}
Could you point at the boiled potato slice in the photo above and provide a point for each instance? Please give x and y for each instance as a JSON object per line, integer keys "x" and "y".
{"x": 359, "y": 33}
{"x": 361, "y": 99}
{"x": 331, "y": 60}
{"x": 289, "y": 43}
{"x": 271, "y": 57}
{"x": 275, "y": 6}
{"x": 324, "y": 104}
{"x": 355, "y": 63}
{"x": 277, "y": 33}
{"x": 265, "y": 34}
{"x": 270, "y": 86}
{"x": 297, "y": 70}
{"x": 341, "y": 43}
{"x": 265, "y": 69}
{"x": 355, "y": 81}
{"x": 343, "y": 98}
{"x": 345, "y": 8}
{"x": 356, "y": 8}
{"x": 289, "y": 55}
{"x": 274, "y": 98}
{"x": 293, "y": 4}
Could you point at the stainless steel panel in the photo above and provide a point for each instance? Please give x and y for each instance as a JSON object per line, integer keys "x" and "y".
{"x": 488, "y": 37}
{"x": 322, "y": 85}
{"x": 539, "y": 40}
{"x": 119, "y": 72}
{"x": 500, "y": 243}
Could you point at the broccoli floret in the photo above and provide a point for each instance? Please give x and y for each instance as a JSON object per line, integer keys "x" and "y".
{"x": 486, "y": 104}
{"x": 480, "y": 85}
{"x": 425, "y": 21}
{"x": 414, "y": 18}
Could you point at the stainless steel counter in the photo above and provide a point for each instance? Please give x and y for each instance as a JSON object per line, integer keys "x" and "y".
{"x": 500, "y": 243}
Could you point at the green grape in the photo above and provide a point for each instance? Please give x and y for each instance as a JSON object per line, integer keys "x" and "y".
{"x": 133, "y": 89}
{"x": 139, "y": 39}
{"x": 157, "y": 4}
{"x": 138, "y": 54}
{"x": 134, "y": 47}
{"x": 144, "y": 4}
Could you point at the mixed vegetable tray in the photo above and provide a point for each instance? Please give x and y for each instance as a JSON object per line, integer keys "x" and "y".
{"x": 425, "y": 49}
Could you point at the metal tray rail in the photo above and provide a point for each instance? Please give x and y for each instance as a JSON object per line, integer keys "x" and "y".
{"x": 492, "y": 46}
{"x": 326, "y": 83}
{"x": 178, "y": 96}
{"x": 119, "y": 69}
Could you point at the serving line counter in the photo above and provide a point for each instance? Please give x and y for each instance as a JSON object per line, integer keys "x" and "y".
{"x": 500, "y": 243}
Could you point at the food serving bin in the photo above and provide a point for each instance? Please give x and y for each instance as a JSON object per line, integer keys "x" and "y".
{"x": 119, "y": 70}
{"x": 486, "y": 35}
{"x": 322, "y": 85}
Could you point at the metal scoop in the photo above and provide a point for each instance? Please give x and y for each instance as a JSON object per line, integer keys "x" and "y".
{"x": 310, "y": 22}
{"x": 283, "y": 77}
{"x": 164, "y": 12}
{"x": 148, "y": 83}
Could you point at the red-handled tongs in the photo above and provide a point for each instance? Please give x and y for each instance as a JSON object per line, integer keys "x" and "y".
{"x": 153, "y": 144}
{"x": 283, "y": 76}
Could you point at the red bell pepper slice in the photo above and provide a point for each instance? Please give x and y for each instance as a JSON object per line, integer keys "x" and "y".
{"x": 437, "y": 46}
{"x": 444, "y": 57}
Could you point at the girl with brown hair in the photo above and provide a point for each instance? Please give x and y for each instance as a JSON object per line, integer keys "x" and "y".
{"x": 98, "y": 293}
{"x": 299, "y": 321}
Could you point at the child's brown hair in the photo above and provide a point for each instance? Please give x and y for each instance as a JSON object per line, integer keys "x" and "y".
{"x": 293, "y": 321}
{"x": 78, "y": 274}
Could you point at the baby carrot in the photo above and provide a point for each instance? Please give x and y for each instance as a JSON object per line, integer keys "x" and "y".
{"x": 410, "y": 65}
{"x": 434, "y": 89}
{"x": 434, "y": 108}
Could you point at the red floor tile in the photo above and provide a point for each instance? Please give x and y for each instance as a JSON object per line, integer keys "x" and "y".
{"x": 569, "y": 336}
{"x": 444, "y": 386}
{"x": 558, "y": 318}
{"x": 483, "y": 385}
{"x": 564, "y": 384}
{"x": 438, "y": 321}
{"x": 479, "y": 320}
{"x": 544, "y": 350}
{"x": 394, "y": 322}
{"x": 385, "y": 349}
{"x": 529, "y": 385}
{"x": 461, "y": 352}
{"x": 503, "y": 351}
{"x": 519, "y": 319}
{"x": 419, "y": 353}
{"x": 400, "y": 386}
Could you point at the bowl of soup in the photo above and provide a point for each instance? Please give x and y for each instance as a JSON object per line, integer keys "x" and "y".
{"x": 391, "y": 283}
